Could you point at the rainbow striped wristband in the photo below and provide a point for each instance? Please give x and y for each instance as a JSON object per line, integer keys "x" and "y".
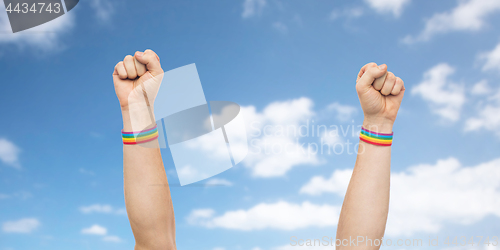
{"x": 375, "y": 138}
{"x": 143, "y": 136}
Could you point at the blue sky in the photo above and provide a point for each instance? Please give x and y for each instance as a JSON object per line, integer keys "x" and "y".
{"x": 284, "y": 62}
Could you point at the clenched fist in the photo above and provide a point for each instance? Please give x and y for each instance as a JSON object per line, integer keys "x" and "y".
{"x": 380, "y": 93}
{"x": 137, "y": 80}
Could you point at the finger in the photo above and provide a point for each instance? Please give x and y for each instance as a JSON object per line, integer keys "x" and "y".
{"x": 398, "y": 86}
{"x": 130, "y": 67}
{"x": 363, "y": 69}
{"x": 399, "y": 97}
{"x": 390, "y": 80}
{"x": 379, "y": 82}
{"x": 120, "y": 71}
{"x": 151, "y": 60}
{"x": 140, "y": 68}
{"x": 371, "y": 73}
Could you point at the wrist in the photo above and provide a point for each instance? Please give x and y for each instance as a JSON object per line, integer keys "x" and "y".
{"x": 137, "y": 119}
{"x": 379, "y": 125}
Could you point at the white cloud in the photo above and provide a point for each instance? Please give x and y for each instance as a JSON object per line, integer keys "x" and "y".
{"x": 281, "y": 215}
{"x": 481, "y": 88}
{"x": 9, "y": 153}
{"x": 286, "y": 112}
{"x": 487, "y": 115}
{"x": 337, "y": 183}
{"x": 218, "y": 248}
{"x": 198, "y": 215}
{"x": 342, "y": 112}
{"x": 253, "y": 7}
{"x": 425, "y": 197}
{"x": 218, "y": 182}
{"x": 98, "y": 208}
{"x": 101, "y": 231}
{"x": 281, "y": 27}
{"x": 274, "y": 147}
{"x": 111, "y": 238}
{"x": 104, "y": 9}
{"x": 190, "y": 172}
{"x": 279, "y": 138}
{"x": 331, "y": 138}
{"x": 44, "y": 37}
{"x": 491, "y": 59}
{"x": 469, "y": 15}
{"x": 26, "y": 225}
{"x": 394, "y": 7}
{"x": 95, "y": 230}
{"x": 444, "y": 97}
{"x": 445, "y": 192}
{"x": 4, "y": 196}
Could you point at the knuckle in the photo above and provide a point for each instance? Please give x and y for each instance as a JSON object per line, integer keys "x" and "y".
{"x": 147, "y": 56}
{"x": 149, "y": 52}
{"x": 371, "y": 71}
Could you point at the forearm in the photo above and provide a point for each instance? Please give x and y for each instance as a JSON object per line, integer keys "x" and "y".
{"x": 366, "y": 204}
{"x": 147, "y": 194}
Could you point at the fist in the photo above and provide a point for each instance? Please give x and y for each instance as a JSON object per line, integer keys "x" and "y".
{"x": 137, "y": 80}
{"x": 380, "y": 93}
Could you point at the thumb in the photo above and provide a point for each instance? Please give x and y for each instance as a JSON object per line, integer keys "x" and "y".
{"x": 151, "y": 60}
{"x": 371, "y": 72}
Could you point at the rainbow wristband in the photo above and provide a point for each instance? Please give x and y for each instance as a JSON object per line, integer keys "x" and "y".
{"x": 375, "y": 138}
{"x": 143, "y": 136}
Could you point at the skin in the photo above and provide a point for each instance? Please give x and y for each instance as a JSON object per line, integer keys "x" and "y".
{"x": 147, "y": 194}
{"x": 366, "y": 204}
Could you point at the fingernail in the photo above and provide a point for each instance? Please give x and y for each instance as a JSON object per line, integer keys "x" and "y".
{"x": 139, "y": 54}
{"x": 382, "y": 67}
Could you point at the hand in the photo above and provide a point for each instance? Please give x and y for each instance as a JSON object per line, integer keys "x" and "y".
{"x": 380, "y": 93}
{"x": 142, "y": 68}
{"x": 137, "y": 80}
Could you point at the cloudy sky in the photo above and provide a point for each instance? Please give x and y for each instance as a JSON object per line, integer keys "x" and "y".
{"x": 287, "y": 63}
